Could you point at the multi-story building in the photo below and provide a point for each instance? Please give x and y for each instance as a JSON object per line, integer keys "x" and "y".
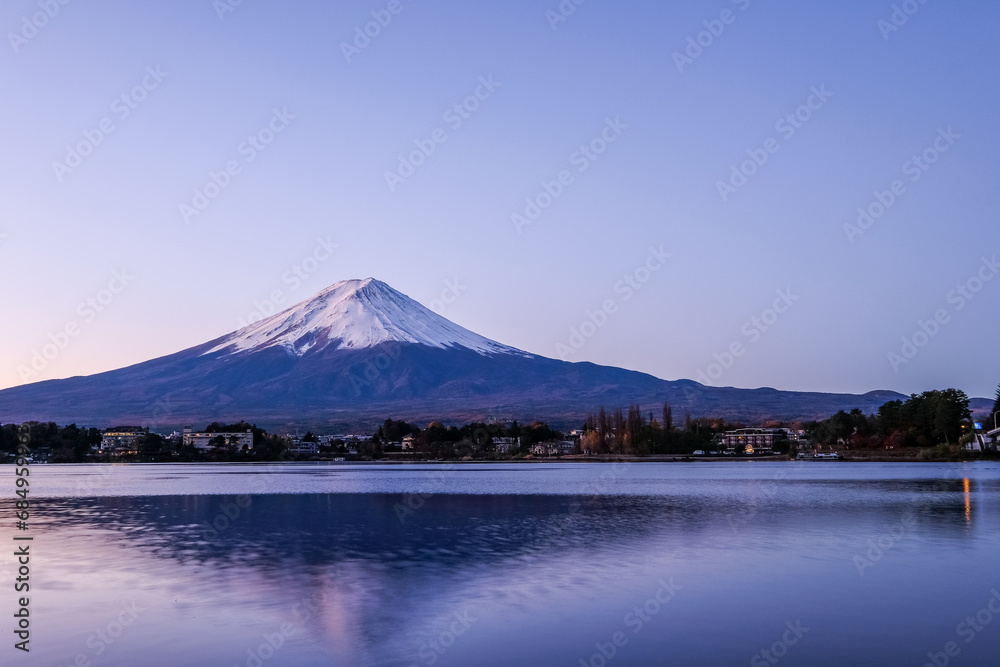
{"x": 504, "y": 445}
{"x": 303, "y": 447}
{"x": 753, "y": 440}
{"x": 566, "y": 447}
{"x": 203, "y": 440}
{"x": 121, "y": 442}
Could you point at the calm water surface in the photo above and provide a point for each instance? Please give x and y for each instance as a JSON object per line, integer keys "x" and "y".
{"x": 487, "y": 565}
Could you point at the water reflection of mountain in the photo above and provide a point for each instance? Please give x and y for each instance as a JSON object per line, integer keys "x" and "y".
{"x": 445, "y": 531}
{"x": 384, "y": 587}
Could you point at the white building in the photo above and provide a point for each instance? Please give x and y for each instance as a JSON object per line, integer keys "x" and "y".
{"x": 302, "y": 447}
{"x": 752, "y": 440}
{"x": 347, "y": 437}
{"x": 504, "y": 445}
{"x": 202, "y": 440}
{"x": 554, "y": 448}
{"x": 121, "y": 441}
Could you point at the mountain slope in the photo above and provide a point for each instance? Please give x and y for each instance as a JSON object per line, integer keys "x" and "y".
{"x": 355, "y": 314}
{"x": 358, "y": 352}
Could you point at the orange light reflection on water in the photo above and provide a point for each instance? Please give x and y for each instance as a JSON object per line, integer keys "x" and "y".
{"x": 968, "y": 501}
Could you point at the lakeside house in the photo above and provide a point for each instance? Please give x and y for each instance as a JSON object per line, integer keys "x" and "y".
{"x": 121, "y": 443}
{"x": 190, "y": 438}
{"x": 753, "y": 440}
{"x": 554, "y": 448}
{"x": 303, "y": 447}
{"x": 504, "y": 445}
{"x": 796, "y": 437}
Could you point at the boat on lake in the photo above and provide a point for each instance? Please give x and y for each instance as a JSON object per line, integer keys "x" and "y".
{"x": 832, "y": 456}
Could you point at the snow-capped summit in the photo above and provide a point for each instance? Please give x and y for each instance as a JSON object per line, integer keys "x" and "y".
{"x": 356, "y": 314}
{"x": 324, "y": 364}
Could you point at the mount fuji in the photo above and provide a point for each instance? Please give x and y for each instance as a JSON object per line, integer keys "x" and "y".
{"x": 356, "y": 314}
{"x": 360, "y": 351}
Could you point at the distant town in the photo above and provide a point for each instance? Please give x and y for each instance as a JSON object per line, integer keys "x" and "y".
{"x": 935, "y": 425}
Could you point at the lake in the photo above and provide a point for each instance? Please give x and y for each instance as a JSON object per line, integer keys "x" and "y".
{"x": 544, "y": 564}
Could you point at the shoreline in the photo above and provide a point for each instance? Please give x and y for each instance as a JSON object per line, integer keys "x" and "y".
{"x": 568, "y": 459}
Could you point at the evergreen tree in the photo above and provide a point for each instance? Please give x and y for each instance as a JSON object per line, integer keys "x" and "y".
{"x": 951, "y": 409}
{"x": 668, "y": 417}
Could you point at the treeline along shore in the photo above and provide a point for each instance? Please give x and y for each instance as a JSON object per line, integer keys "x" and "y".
{"x": 934, "y": 425}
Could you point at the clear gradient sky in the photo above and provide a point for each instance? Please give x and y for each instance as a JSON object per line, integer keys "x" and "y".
{"x": 679, "y": 127}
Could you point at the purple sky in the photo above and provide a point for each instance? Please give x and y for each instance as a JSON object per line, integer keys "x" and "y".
{"x": 745, "y": 158}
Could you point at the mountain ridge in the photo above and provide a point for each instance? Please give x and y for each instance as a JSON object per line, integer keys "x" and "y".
{"x": 358, "y": 352}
